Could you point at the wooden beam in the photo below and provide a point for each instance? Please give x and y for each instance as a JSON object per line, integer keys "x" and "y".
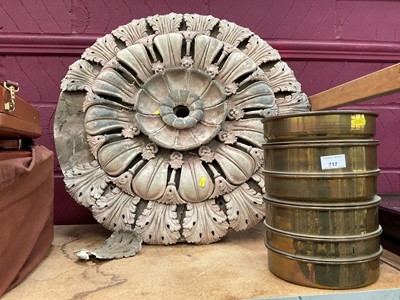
{"x": 380, "y": 83}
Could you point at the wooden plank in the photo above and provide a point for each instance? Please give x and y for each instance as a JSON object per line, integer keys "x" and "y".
{"x": 391, "y": 259}
{"x": 380, "y": 83}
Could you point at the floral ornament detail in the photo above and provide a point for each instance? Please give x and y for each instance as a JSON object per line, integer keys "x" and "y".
{"x": 231, "y": 88}
{"x": 212, "y": 70}
{"x": 158, "y": 67}
{"x": 187, "y": 61}
{"x": 268, "y": 113}
{"x": 171, "y": 107}
{"x": 227, "y": 137}
{"x": 181, "y": 109}
{"x": 235, "y": 113}
{"x": 149, "y": 151}
{"x": 206, "y": 154}
{"x": 130, "y": 131}
{"x": 176, "y": 161}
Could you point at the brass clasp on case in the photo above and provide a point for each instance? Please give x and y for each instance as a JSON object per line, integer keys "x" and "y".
{"x": 10, "y": 105}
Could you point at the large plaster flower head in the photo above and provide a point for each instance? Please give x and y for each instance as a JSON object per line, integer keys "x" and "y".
{"x": 171, "y": 107}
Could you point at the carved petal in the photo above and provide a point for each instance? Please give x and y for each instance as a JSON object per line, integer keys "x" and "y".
{"x": 206, "y": 50}
{"x": 115, "y": 157}
{"x": 215, "y": 115}
{"x": 237, "y": 64}
{"x": 80, "y": 76}
{"x": 195, "y": 183}
{"x": 147, "y": 104}
{"x": 176, "y": 79}
{"x": 281, "y": 78}
{"x": 258, "y": 156}
{"x": 250, "y": 130}
{"x": 86, "y": 182}
{"x": 157, "y": 87}
{"x": 213, "y": 95}
{"x": 171, "y": 196}
{"x": 151, "y": 181}
{"x": 259, "y": 178}
{"x": 198, "y": 23}
{"x": 165, "y": 137}
{"x": 201, "y": 131}
{"x": 158, "y": 224}
{"x": 197, "y": 82}
{"x": 237, "y": 165}
{"x": 92, "y": 99}
{"x": 256, "y": 95}
{"x": 260, "y": 51}
{"x": 116, "y": 210}
{"x": 231, "y": 33}
{"x": 204, "y": 223}
{"x": 293, "y": 103}
{"x": 169, "y": 46}
{"x": 186, "y": 137}
{"x": 153, "y": 123}
{"x": 100, "y": 119}
{"x": 131, "y": 32}
{"x": 110, "y": 83}
{"x": 136, "y": 58}
{"x": 245, "y": 207}
{"x": 193, "y": 80}
{"x": 102, "y": 51}
{"x": 165, "y": 24}
{"x": 221, "y": 187}
{"x": 124, "y": 182}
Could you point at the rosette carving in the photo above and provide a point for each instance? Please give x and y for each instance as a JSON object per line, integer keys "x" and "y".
{"x": 167, "y": 115}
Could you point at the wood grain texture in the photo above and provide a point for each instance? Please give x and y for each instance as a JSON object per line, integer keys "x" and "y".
{"x": 374, "y": 85}
{"x": 325, "y": 42}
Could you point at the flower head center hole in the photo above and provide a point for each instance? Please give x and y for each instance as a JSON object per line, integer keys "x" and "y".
{"x": 181, "y": 111}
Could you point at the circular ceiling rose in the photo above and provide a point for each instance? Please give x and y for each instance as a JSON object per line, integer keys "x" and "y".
{"x": 158, "y": 126}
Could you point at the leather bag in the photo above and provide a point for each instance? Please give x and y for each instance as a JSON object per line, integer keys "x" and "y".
{"x": 26, "y": 214}
{"x": 18, "y": 119}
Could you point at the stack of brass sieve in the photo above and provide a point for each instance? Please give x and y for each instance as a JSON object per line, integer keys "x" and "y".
{"x": 322, "y": 227}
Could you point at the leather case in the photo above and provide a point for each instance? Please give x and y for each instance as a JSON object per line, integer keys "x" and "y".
{"x": 10, "y": 144}
{"x": 13, "y": 154}
{"x": 18, "y": 119}
{"x": 15, "y": 144}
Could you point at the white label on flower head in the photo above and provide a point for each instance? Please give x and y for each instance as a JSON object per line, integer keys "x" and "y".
{"x": 333, "y": 162}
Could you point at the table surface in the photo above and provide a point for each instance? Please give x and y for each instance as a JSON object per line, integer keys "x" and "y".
{"x": 234, "y": 268}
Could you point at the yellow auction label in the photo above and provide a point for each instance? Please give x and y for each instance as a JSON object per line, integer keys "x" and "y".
{"x": 358, "y": 121}
{"x": 202, "y": 182}
{"x": 157, "y": 112}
